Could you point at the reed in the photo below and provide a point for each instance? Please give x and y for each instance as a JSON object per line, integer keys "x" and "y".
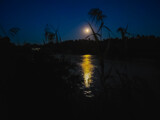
{"x": 97, "y": 15}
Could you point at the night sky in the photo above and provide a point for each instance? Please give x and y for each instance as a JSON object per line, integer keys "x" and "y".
{"x": 70, "y": 16}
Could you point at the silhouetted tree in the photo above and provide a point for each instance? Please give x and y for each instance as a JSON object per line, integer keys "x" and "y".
{"x": 124, "y": 37}
{"x": 51, "y": 35}
{"x": 13, "y": 31}
{"x": 123, "y": 32}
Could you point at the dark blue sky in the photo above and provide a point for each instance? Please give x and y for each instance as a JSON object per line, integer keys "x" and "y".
{"x": 142, "y": 16}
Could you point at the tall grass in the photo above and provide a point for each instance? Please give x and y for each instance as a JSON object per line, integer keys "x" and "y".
{"x": 98, "y": 16}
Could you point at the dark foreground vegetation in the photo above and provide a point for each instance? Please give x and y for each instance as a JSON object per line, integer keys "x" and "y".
{"x": 34, "y": 82}
{"x": 36, "y": 85}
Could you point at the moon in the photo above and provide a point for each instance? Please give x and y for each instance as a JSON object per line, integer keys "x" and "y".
{"x": 87, "y": 31}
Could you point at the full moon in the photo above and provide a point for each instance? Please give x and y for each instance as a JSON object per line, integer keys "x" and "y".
{"x": 87, "y": 30}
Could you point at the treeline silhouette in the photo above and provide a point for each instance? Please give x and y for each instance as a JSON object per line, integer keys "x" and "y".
{"x": 137, "y": 47}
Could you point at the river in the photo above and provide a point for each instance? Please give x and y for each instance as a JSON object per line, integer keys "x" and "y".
{"x": 93, "y": 102}
{"x": 89, "y": 70}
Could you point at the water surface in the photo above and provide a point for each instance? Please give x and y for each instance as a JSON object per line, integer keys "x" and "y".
{"x": 87, "y": 67}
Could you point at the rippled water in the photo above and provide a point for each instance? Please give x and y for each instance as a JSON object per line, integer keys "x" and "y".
{"x": 87, "y": 70}
{"x": 87, "y": 67}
